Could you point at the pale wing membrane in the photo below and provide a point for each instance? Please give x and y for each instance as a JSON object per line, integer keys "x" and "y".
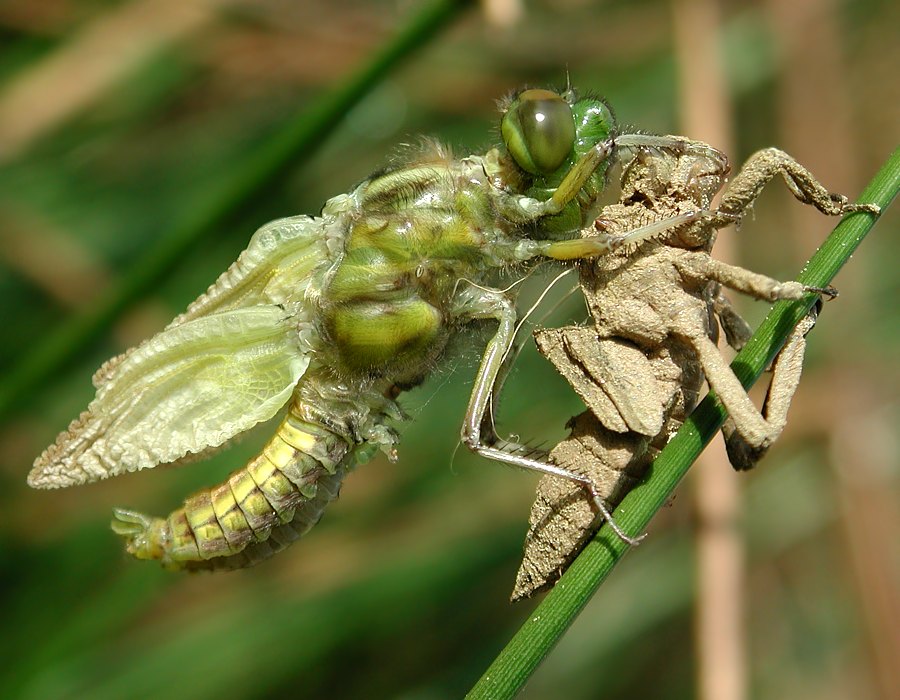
{"x": 191, "y": 387}
{"x": 275, "y": 268}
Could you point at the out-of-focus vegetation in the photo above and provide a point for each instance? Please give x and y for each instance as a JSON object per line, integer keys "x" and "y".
{"x": 116, "y": 122}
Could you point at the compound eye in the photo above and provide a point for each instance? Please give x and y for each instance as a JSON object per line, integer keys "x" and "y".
{"x": 539, "y": 131}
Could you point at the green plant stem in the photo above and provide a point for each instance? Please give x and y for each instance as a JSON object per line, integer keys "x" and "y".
{"x": 245, "y": 183}
{"x": 514, "y": 665}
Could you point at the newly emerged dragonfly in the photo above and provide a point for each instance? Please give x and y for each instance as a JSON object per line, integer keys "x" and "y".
{"x": 335, "y": 316}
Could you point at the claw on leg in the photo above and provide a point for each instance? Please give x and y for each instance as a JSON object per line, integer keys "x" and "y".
{"x": 607, "y": 516}
{"x": 828, "y": 291}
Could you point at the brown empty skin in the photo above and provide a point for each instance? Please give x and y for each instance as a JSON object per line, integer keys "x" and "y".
{"x": 657, "y": 308}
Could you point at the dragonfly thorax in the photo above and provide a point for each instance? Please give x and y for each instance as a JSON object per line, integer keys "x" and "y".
{"x": 413, "y": 235}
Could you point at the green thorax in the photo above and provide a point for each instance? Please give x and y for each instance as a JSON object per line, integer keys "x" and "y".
{"x": 414, "y": 234}
{"x": 412, "y": 229}
{"x": 411, "y": 235}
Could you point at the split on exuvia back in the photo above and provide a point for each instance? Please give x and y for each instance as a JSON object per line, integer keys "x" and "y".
{"x": 333, "y": 317}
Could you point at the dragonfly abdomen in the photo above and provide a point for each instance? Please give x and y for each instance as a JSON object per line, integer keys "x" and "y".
{"x": 280, "y": 494}
{"x": 306, "y": 515}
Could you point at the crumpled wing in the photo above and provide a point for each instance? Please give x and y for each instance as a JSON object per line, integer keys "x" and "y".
{"x": 189, "y": 388}
{"x": 276, "y": 268}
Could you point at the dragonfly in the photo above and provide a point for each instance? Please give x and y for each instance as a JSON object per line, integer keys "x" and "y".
{"x": 335, "y": 316}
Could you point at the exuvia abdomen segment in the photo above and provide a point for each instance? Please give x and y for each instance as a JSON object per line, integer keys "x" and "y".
{"x": 260, "y": 509}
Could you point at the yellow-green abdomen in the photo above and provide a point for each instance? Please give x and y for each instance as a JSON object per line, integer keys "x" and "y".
{"x": 262, "y": 507}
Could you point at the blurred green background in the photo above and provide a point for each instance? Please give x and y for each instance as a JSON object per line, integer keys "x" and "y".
{"x": 120, "y": 121}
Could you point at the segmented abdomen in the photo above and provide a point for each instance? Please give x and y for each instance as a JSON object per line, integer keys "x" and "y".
{"x": 259, "y": 510}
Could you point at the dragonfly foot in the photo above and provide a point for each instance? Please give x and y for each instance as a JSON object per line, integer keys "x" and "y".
{"x": 607, "y": 516}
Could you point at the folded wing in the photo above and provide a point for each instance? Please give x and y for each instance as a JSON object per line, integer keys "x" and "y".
{"x": 184, "y": 390}
{"x": 276, "y": 268}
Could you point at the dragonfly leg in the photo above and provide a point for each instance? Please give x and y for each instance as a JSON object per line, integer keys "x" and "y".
{"x": 593, "y": 246}
{"x": 521, "y": 208}
{"x": 486, "y": 304}
{"x": 585, "y": 166}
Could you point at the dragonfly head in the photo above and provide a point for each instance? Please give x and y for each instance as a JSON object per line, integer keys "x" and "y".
{"x": 545, "y": 132}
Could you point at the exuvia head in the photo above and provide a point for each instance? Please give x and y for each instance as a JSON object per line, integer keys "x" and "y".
{"x": 543, "y": 130}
